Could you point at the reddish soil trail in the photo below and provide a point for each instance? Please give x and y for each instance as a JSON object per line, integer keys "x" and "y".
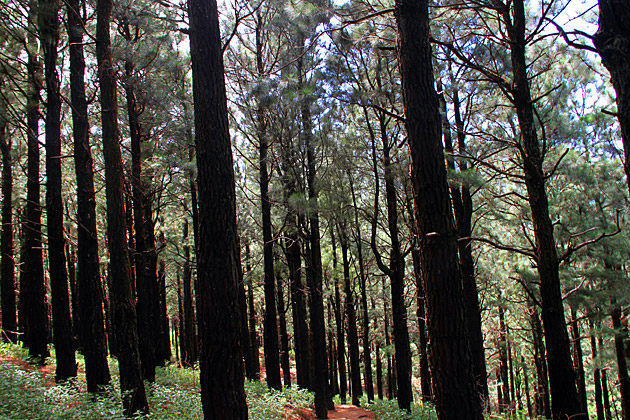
{"x": 341, "y": 412}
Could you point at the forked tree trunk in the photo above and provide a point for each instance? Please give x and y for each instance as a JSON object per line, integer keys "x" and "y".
{"x": 222, "y": 390}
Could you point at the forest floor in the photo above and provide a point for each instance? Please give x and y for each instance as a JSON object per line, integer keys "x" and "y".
{"x": 341, "y": 412}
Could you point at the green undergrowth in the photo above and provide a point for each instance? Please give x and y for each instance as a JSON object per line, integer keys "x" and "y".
{"x": 27, "y": 393}
{"x": 388, "y": 410}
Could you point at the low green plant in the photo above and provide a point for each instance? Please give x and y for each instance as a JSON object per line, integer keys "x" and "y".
{"x": 388, "y": 410}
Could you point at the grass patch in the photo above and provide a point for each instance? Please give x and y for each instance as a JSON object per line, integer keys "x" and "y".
{"x": 27, "y": 393}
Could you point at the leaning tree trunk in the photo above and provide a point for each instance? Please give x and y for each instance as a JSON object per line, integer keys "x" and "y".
{"x": 62, "y": 322}
{"x": 222, "y": 390}
{"x": 453, "y": 378}
{"x": 123, "y": 310}
{"x": 7, "y": 286}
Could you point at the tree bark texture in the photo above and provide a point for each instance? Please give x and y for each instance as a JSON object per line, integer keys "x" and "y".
{"x": 91, "y": 331}
{"x": 62, "y": 322}
{"x": 621, "y": 334}
{"x": 123, "y": 311}
{"x": 8, "y": 304}
{"x": 612, "y": 41}
{"x": 451, "y": 366}
{"x": 222, "y": 390}
{"x": 561, "y": 375}
{"x": 33, "y": 306}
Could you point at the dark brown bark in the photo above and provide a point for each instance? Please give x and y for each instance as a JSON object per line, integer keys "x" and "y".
{"x": 284, "y": 338}
{"x": 367, "y": 347}
{"x": 563, "y": 389}
{"x": 578, "y": 362}
{"x": 621, "y": 334}
{"x": 612, "y": 41}
{"x": 339, "y": 322}
{"x": 379, "y": 373}
{"x": 503, "y": 358}
{"x": 605, "y": 393}
{"x": 222, "y": 391}
{"x": 298, "y": 305}
{"x": 66, "y": 366}
{"x": 353, "y": 339}
{"x": 462, "y": 211}
{"x": 270, "y": 321}
{"x": 33, "y": 310}
{"x": 123, "y": 312}
{"x": 528, "y": 399}
{"x": 450, "y": 357}
{"x": 188, "y": 339}
{"x": 318, "y": 329}
{"x": 8, "y": 304}
{"x": 253, "y": 335}
{"x": 542, "y": 403}
{"x": 252, "y": 369}
{"x": 163, "y": 353}
{"x": 599, "y": 403}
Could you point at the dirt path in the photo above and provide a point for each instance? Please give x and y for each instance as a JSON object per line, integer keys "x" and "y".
{"x": 341, "y": 412}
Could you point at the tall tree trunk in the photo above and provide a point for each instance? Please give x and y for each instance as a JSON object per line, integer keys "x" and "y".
{"x": 188, "y": 337}
{"x": 62, "y": 322}
{"x": 564, "y": 395}
{"x": 252, "y": 368}
{"x": 8, "y": 304}
{"x": 270, "y": 330}
{"x": 32, "y": 282}
{"x": 353, "y": 339}
{"x": 462, "y": 210}
{"x": 621, "y": 334}
{"x": 253, "y": 335}
{"x": 452, "y": 369}
{"x": 578, "y": 362}
{"x": 318, "y": 329}
{"x": 605, "y": 393}
{"x": 530, "y": 413}
{"x": 503, "y": 358}
{"x": 123, "y": 310}
{"x": 298, "y": 306}
{"x": 599, "y": 403}
{"x": 339, "y": 322}
{"x": 543, "y": 406}
{"x": 145, "y": 274}
{"x": 367, "y": 347}
{"x": 163, "y": 354}
{"x": 222, "y": 391}
{"x": 612, "y": 41}
{"x": 379, "y": 372}
{"x": 284, "y": 338}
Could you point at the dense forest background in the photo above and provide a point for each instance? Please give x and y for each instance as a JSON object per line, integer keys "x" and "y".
{"x": 421, "y": 201}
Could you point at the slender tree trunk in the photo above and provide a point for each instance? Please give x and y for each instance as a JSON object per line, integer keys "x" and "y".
{"x": 284, "y": 338}
{"x": 252, "y": 368}
{"x": 318, "y": 329}
{"x": 578, "y": 362}
{"x": 462, "y": 210}
{"x": 622, "y": 366}
{"x": 32, "y": 282}
{"x": 564, "y": 395}
{"x": 543, "y": 406}
{"x": 605, "y": 393}
{"x": 452, "y": 369}
{"x": 527, "y": 394}
{"x": 253, "y": 335}
{"x": 7, "y": 287}
{"x": 188, "y": 338}
{"x": 222, "y": 391}
{"x": 339, "y": 322}
{"x": 612, "y": 41}
{"x": 599, "y": 403}
{"x": 379, "y": 372}
{"x": 367, "y": 347}
{"x": 353, "y": 339}
{"x": 503, "y": 358}
{"x": 164, "y": 341}
{"x": 62, "y": 322}
{"x": 123, "y": 310}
